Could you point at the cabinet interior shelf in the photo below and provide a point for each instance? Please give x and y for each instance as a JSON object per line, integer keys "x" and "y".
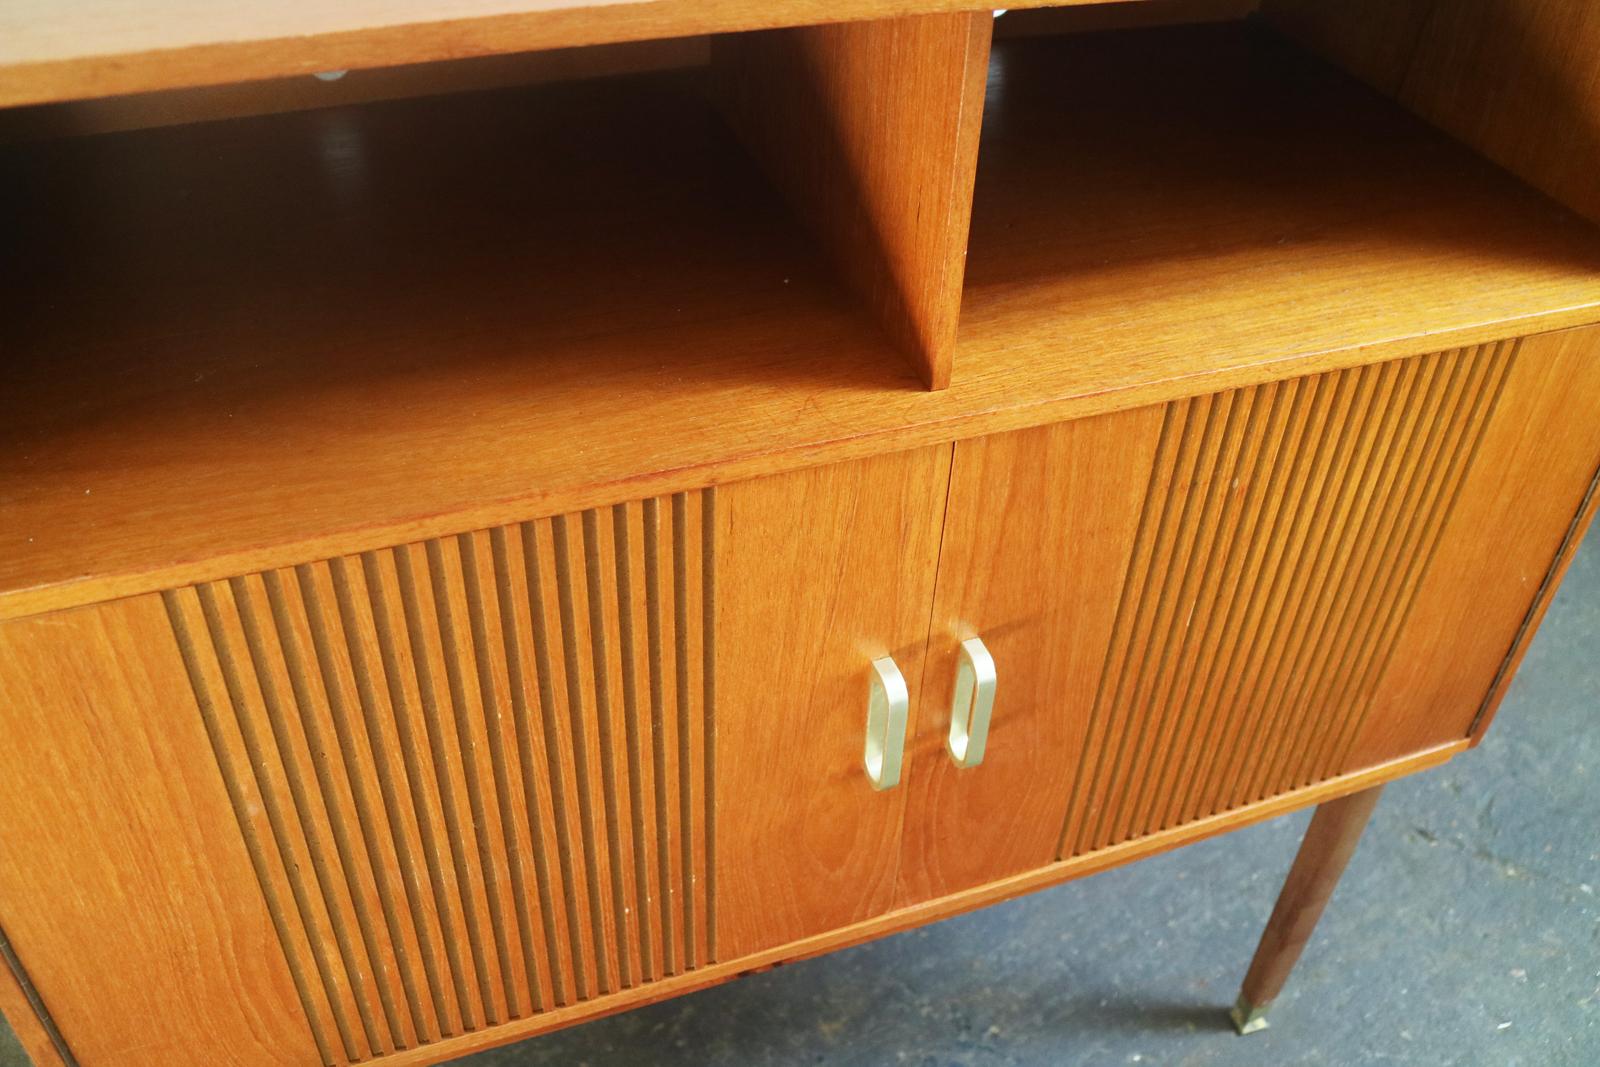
{"x": 250, "y": 342}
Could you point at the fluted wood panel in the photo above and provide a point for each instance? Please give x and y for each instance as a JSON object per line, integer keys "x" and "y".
{"x": 1499, "y": 558}
{"x": 1284, "y": 534}
{"x": 473, "y": 773}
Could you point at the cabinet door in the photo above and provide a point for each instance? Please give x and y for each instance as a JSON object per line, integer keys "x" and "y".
{"x": 324, "y": 813}
{"x": 1038, "y": 533}
{"x": 332, "y": 811}
{"x": 1198, "y": 606}
{"x": 126, "y": 889}
{"x": 819, "y": 573}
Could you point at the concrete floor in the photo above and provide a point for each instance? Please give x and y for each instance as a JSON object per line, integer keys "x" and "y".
{"x": 1467, "y": 930}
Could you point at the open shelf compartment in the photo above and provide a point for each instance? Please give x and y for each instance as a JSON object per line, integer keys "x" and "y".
{"x": 274, "y": 330}
{"x": 1190, "y": 202}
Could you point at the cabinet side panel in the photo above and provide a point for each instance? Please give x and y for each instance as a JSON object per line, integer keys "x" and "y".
{"x": 1520, "y": 82}
{"x": 1530, "y": 478}
{"x": 818, "y": 574}
{"x": 1039, "y": 533}
{"x": 1541, "y": 603}
{"x": 127, "y": 891}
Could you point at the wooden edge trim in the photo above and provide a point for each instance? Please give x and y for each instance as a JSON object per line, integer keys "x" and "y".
{"x": 928, "y": 911}
{"x": 227, "y": 62}
{"x": 26, "y": 1012}
{"x": 212, "y": 103}
{"x": 1541, "y": 604}
{"x": 963, "y": 176}
{"x": 938, "y": 429}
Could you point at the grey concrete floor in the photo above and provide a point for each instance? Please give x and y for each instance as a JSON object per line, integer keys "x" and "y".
{"x": 1466, "y": 931}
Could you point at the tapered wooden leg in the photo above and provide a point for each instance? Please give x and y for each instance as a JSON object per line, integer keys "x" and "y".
{"x": 1329, "y": 843}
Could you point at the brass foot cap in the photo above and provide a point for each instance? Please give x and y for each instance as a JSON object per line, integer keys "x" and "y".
{"x": 1247, "y": 1017}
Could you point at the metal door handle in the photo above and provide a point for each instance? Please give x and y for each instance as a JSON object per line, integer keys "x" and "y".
{"x": 972, "y": 705}
{"x": 887, "y": 704}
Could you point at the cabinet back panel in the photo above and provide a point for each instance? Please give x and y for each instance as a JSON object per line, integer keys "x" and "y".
{"x": 482, "y": 762}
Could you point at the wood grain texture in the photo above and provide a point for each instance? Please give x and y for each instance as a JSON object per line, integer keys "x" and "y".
{"x": 1196, "y": 607}
{"x": 1037, "y": 535}
{"x": 29, "y": 1018}
{"x": 175, "y": 107}
{"x": 1330, "y": 841}
{"x": 127, "y": 892}
{"x": 932, "y": 910}
{"x": 581, "y": 146}
{"x": 1518, "y": 80}
{"x": 1375, "y": 40}
{"x": 1225, "y": 189}
{"x": 1516, "y": 507}
{"x": 481, "y": 761}
{"x": 107, "y": 47}
{"x": 284, "y": 356}
{"x": 871, "y": 130}
{"x": 820, "y": 573}
{"x": 1199, "y": 607}
{"x": 1541, "y": 603}
{"x": 1280, "y": 548}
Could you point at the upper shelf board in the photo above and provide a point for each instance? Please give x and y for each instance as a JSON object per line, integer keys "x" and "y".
{"x": 53, "y": 51}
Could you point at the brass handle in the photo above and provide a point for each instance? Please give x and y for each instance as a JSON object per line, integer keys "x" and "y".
{"x": 887, "y": 704}
{"x": 972, "y": 705}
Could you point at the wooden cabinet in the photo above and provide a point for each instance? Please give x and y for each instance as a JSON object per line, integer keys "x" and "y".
{"x": 476, "y": 563}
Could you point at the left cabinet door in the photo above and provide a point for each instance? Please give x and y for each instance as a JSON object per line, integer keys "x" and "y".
{"x": 126, "y": 889}
{"x": 326, "y": 812}
{"x": 322, "y": 813}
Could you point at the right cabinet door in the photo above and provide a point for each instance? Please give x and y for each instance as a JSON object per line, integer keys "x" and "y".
{"x": 1199, "y": 605}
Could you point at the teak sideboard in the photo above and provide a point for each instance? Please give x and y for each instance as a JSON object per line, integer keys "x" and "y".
{"x": 478, "y": 555}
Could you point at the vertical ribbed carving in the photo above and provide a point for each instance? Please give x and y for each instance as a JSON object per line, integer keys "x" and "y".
{"x": 484, "y": 763}
{"x": 1285, "y": 531}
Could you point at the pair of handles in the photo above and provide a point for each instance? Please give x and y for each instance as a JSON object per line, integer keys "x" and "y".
{"x": 888, "y": 703}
